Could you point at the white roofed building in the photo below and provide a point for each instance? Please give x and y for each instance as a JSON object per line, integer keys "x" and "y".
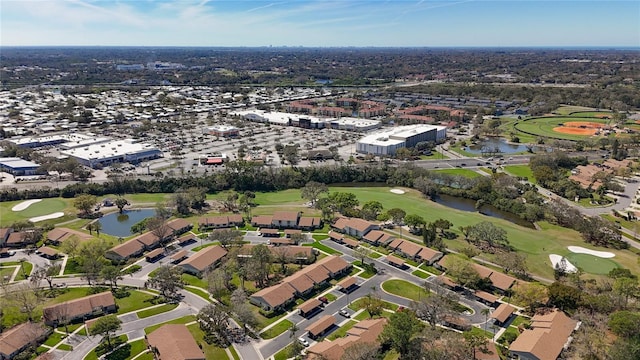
{"x": 387, "y": 142}
{"x": 222, "y": 130}
{"x": 354, "y": 124}
{"x": 114, "y": 152}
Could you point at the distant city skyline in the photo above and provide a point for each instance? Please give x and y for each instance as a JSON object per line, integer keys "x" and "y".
{"x": 377, "y": 23}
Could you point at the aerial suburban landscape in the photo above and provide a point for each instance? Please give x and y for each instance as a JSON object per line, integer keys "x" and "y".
{"x": 409, "y": 201}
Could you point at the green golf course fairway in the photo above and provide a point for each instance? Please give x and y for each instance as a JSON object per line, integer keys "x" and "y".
{"x": 44, "y": 207}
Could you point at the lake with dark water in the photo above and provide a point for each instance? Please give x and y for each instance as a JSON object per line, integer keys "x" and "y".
{"x": 498, "y": 145}
{"x": 117, "y": 224}
{"x": 463, "y": 204}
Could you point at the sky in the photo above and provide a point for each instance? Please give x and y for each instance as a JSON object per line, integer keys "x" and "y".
{"x": 321, "y": 23}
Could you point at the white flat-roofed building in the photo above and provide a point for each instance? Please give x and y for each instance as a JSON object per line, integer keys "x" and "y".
{"x": 354, "y": 124}
{"x": 387, "y": 142}
{"x": 83, "y": 142}
{"x": 40, "y": 141}
{"x": 17, "y": 166}
{"x": 281, "y": 118}
{"x": 222, "y": 130}
{"x": 113, "y": 152}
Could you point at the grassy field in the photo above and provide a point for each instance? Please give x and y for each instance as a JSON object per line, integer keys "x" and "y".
{"x": 543, "y": 126}
{"x": 276, "y": 329}
{"x": 342, "y": 331}
{"x": 44, "y": 207}
{"x": 183, "y": 320}
{"x": 592, "y": 264}
{"x": 569, "y": 109}
{"x": 156, "y": 310}
{"x": 135, "y": 301}
{"x": 521, "y": 171}
{"x": 404, "y": 289}
{"x": 461, "y": 172}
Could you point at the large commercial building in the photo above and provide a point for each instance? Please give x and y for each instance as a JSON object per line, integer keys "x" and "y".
{"x": 354, "y": 124}
{"x": 18, "y": 167}
{"x": 387, "y": 142}
{"x": 113, "y": 152}
{"x": 280, "y": 118}
{"x": 222, "y": 130}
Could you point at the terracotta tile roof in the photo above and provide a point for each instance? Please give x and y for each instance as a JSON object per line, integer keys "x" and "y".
{"x": 292, "y": 231}
{"x": 179, "y": 224}
{"x": 351, "y": 242}
{"x": 127, "y": 248}
{"x": 78, "y": 307}
{"x": 62, "y": 234}
{"x": 291, "y": 216}
{"x": 281, "y": 241}
{"x": 268, "y": 231}
{"x": 301, "y": 282}
{"x": 276, "y": 295}
{"x": 307, "y": 222}
{"x": 148, "y": 239}
{"x": 341, "y": 223}
{"x": 4, "y": 232}
{"x": 359, "y": 224}
{"x": 16, "y": 237}
{"x": 45, "y": 250}
{"x": 187, "y": 237}
{"x": 309, "y": 305}
{"x": 501, "y": 281}
{"x": 155, "y": 253}
{"x": 547, "y": 336}
{"x": 378, "y": 236}
{"x": 347, "y": 282}
{"x": 491, "y": 354}
{"x": 335, "y": 264}
{"x": 366, "y": 331}
{"x": 179, "y": 255}
{"x": 261, "y": 220}
{"x": 486, "y": 296}
{"x": 321, "y": 325}
{"x": 336, "y": 236}
{"x": 395, "y": 260}
{"x": 445, "y": 280}
{"x": 503, "y": 312}
{"x": 205, "y": 258}
{"x": 20, "y": 336}
{"x": 175, "y": 342}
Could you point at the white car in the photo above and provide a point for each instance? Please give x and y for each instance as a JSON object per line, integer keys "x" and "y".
{"x": 303, "y": 341}
{"x": 345, "y": 313}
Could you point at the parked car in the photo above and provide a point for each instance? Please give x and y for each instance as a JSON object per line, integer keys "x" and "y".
{"x": 323, "y": 299}
{"x": 345, "y": 313}
{"x": 303, "y": 341}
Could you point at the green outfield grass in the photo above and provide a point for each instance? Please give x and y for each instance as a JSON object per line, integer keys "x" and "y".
{"x": 44, "y": 207}
{"x": 461, "y": 172}
{"x": 521, "y": 171}
{"x": 592, "y": 264}
{"x": 543, "y": 126}
{"x": 591, "y": 114}
{"x": 569, "y": 109}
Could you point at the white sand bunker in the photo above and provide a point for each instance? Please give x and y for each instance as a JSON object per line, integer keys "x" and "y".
{"x": 25, "y": 204}
{"x": 560, "y": 262}
{"x": 54, "y": 215}
{"x": 397, "y": 191}
{"x": 600, "y": 254}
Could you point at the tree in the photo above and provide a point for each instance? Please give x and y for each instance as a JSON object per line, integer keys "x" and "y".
{"x": 85, "y": 203}
{"x": 231, "y": 202}
{"x": 626, "y": 288}
{"x": 564, "y": 297}
{"x": 397, "y": 215}
{"x": 216, "y": 283}
{"x": 343, "y": 202}
{"x": 312, "y": 190}
{"x": 45, "y": 273}
{"x": 426, "y": 186}
{"x": 513, "y": 262}
{"x": 361, "y": 253}
{"x": 370, "y": 210}
{"x": 111, "y": 274}
{"x": 106, "y": 326}
{"x": 260, "y": 265}
{"x": 70, "y": 246}
{"x": 475, "y": 342}
{"x": 443, "y": 225}
{"x": 489, "y": 234}
{"x": 97, "y": 227}
{"x": 159, "y": 227}
{"x": 197, "y": 197}
{"x": 121, "y": 202}
{"x": 373, "y": 305}
{"x": 26, "y": 298}
{"x": 282, "y": 256}
{"x": 91, "y": 259}
{"x": 531, "y": 295}
{"x": 226, "y": 237}
{"x": 435, "y": 307}
{"x": 214, "y": 320}
{"x": 625, "y": 324}
{"x": 167, "y": 280}
{"x": 361, "y": 351}
{"x": 399, "y": 331}
{"x": 414, "y": 222}
{"x": 462, "y": 271}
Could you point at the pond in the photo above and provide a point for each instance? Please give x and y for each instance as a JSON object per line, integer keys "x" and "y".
{"x": 494, "y": 146}
{"x": 117, "y": 224}
{"x": 488, "y": 210}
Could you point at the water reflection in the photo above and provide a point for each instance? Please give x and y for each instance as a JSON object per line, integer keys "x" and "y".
{"x": 489, "y": 210}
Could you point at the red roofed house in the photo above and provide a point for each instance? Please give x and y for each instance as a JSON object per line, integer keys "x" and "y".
{"x": 414, "y": 251}
{"x": 179, "y": 226}
{"x": 320, "y": 327}
{"x": 88, "y": 306}
{"x": 19, "y": 337}
{"x": 274, "y": 298}
{"x": 59, "y": 235}
{"x": 354, "y": 226}
{"x": 365, "y": 331}
{"x": 378, "y": 237}
{"x": 285, "y": 219}
{"x": 174, "y": 342}
{"x": 548, "y": 335}
{"x": 203, "y": 260}
{"x": 218, "y": 222}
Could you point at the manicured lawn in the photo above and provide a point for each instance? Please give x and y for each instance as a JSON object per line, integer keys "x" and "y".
{"x": 429, "y": 269}
{"x": 592, "y": 264}
{"x": 44, "y": 207}
{"x": 194, "y": 281}
{"x": 234, "y": 353}
{"x": 365, "y": 315}
{"x": 65, "y": 347}
{"x": 137, "y": 347}
{"x": 210, "y": 351}
{"x": 146, "y": 199}
{"x": 72, "y": 267}
{"x": 521, "y": 171}
{"x": 135, "y": 301}
{"x": 157, "y": 310}
{"x": 276, "y": 329}
{"x": 197, "y": 248}
{"x": 342, "y": 331}
{"x": 519, "y": 320}
{"x": 183, "y": 320}
{"x": 359, "y": 304}
{"x": 460, "y": 172}
{"x": 375, "y": 255}
{"x": 571, "y": 109}
{"x": 27, "y": 267}
{"x": 404, "y": 289}
{"x": 477, "y": 330}
{"x": 7, "y": 272}
{"x": 54, "y": 338}
{"x": 198, "y": 292}
{"x": 331, "y": 297}
{"x": 420, "y": 274}
{"x": 322, "y": 247}
{"x": 282, "y": 354}
{"x": 113, "y": 356}
{"x": 543, "y": 126}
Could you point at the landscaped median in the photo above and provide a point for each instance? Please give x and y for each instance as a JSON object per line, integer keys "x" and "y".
{"x": 405, "y": 289}
{"x": 156, "y": 310}
{"x": 276, "y": 329}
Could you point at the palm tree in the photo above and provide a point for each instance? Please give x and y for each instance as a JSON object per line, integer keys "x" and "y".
{"x": 293, "y": 329}
{"x": 486, "y": 313}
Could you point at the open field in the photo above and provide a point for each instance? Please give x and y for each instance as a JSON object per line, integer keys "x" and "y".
{"x": 405, "y": 289}
{"x": 594, "y": 114}
{"x": 460, "y": 172}
{"x": 549, "y": 126}
{"x": 570, "y": 109}
{"x": 521, "y": 171}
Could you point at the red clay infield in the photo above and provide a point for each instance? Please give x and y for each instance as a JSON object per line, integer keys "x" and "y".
{"x": 579, "y": 128}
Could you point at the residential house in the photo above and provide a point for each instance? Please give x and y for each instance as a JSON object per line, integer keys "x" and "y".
{"x": 261, "y": 221}
{"x": 47, "y": 252}
{"x": 309, "y": 307}
{"x": 356, "y": 227}
{"x": 396, "y": 261}
{"x": 548, "y": 335}
{"x": 179, "y": 226}
{"x": 88, "y": 306}
{"x": 187, "y": 239}
{"x": 274, "y": 298}
{"x": 414, "y": 251}
{"x": 154, "y": 255}
{"x": 486, "y": 298}
{"x": 309, "y": 223}
{"x": 174, "y": 342}
{"x": 179, "y": 256}
{"x": 220, "y": 222}
{"x": 20, "y": 238}
{"x": 285, "y": 219}
{"x": 500, "y": 282}
{"x": 365, "y": 331}
{"x": 502, "y": 314}
{"x": 289, "y": 232}
{"x": 58, "y": 235}
{"x": 149, "y": 240}
{"x": 267, "y": 232}
{"x": 348, "y": 284}
{"x": 124, "y": 251}
{"x": 4, "y": 235}
{"x": 203, "y": 260}
{"x": 302, "y": 283}
{"x": 321, "y": 327}
{"x": 378, "y": 237}
{"x": 337, "y": 237}
{"x": 19, "y": 337}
